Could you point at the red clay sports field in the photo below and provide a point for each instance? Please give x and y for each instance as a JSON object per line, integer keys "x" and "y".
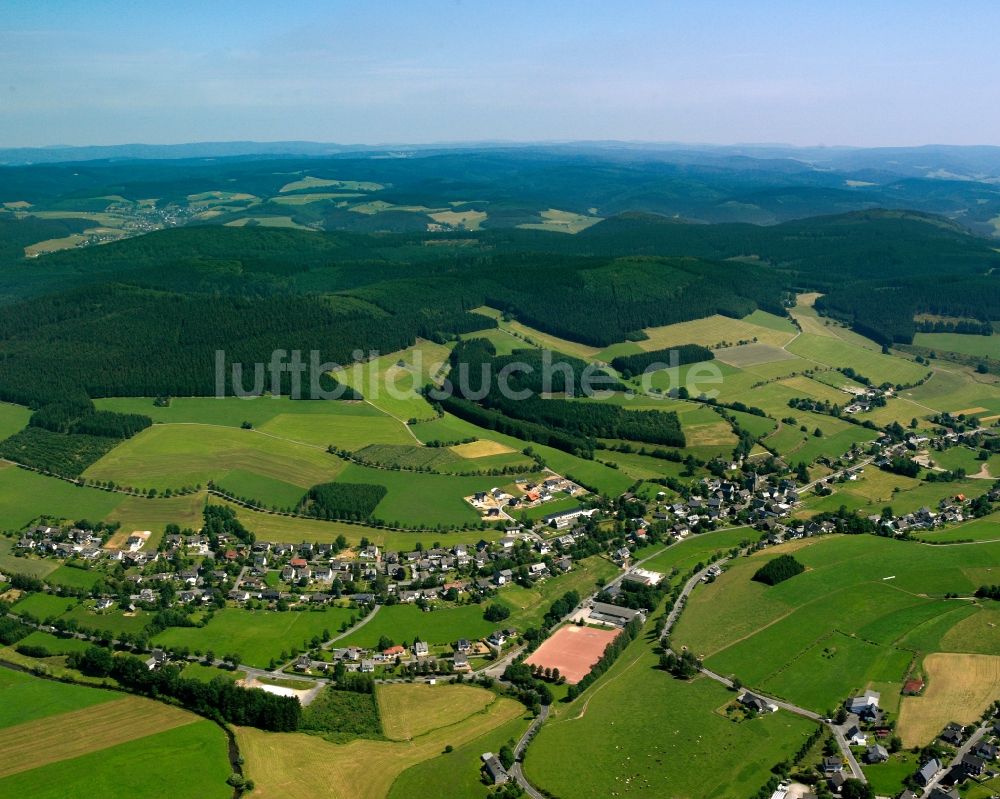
{"x": 573, "y": 650}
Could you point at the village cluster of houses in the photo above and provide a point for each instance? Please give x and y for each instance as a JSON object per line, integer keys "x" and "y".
{"x": 406, "y": 574}
{"x": 865, "y": 710}
{"x": 950, "y": 510}
{"x": 497, "y": 503}
{"x": 721, "y": 499}
{"x": 977, "y": 762}
{"x": 51, "y": 541}
{"x": 867, "y": 398}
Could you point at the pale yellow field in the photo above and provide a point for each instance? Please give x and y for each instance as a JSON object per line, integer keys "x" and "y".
{"x": 959, "y": 688}
{"x": 411, "y": 710}
{"x": 108, "y": 220}
{"x": 469, "y": 220}
{"x": 808, "y": 319}
{"x": 562, "y": 221}
{"x": 480, "y": 449}
{"x": 378, "y": 206}
{"x": 394, "y": 389}
{"x": 211, "y": 197}
{"x": 303, "y": 199}
{"x": 268, "y": 221}
{"x": 309, "y": 182}
{"x": 710, "y": 331}
{"x": 140, "y": 513}
{"x": 274, "y": 527}
{"x": 713, "y": 434}
{"x": 813, "y": 388}
{"x": 48, "y": 740}
{"x": 54, "y": 245}
{"x": 531, "y": 336}
{"x": 294, "y": 765}
{"x": 17, "y": 205}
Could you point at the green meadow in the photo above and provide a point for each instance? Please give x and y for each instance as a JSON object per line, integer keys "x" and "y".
{"x": 458, "y": 773}
{"x": 178, "y": 455}
{"x": 392, "y": 382}
{"x": 25, "y": 495}
{"x": 234, "y": 411}
{"x": 257, "y": 635}
{"x": 274, "y": 527}
{"x": 419, "y": 498}
{"x": 12, "y": 419}
{"x": 985, "y": 346}
{"x": 25, "y": 698}
{"x": 188, "y": 762}
{"x": 265, "y": 490}
{"x": 838, "y": 353}
{"x": 843, "y": 623}
{"x": 686, "y": 746}
{"x": 404, "y": 622}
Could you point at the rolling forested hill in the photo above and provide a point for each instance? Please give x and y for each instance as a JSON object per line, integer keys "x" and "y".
{"x": 306, "y": 253}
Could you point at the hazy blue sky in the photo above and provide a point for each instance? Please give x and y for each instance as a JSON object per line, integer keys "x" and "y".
{"x": 867, "y": 73}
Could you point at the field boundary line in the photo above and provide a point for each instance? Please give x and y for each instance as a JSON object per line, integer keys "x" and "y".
{"x": 125, "y": 720}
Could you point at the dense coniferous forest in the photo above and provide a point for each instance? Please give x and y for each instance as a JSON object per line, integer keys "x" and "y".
{"x": 145, "y": 316}
{"x": 673, "y": 356}
{"x": 778, "y": 570}
{"x": 353, "y": 501}
{"x": 518, "y": 382}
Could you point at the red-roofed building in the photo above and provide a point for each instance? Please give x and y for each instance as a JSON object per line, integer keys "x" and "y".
{"x": 298, "y": 563}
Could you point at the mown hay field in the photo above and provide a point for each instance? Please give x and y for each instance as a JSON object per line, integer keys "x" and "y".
{"x": 959, "y": 688}
{"x": 293, "y": 765}
{"x": 410, "y": 710}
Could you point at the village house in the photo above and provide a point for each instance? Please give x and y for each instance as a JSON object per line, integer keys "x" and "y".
{"x": 927, "y": 771}
{"x": 495, "y": 773}
{"x": 757, "y": 704}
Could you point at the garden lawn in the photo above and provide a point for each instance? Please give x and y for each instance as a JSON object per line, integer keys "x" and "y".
{"x": 33, "y": 567}
{"x": 73, "y": 577}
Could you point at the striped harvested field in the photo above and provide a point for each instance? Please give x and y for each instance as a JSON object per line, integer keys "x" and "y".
{"x": 49, "y": 740}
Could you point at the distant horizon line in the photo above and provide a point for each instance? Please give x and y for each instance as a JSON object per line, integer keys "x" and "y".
{"x": 463, "y": 143}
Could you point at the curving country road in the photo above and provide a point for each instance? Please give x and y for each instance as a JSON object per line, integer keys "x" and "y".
{"x": 837, "y": 730}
